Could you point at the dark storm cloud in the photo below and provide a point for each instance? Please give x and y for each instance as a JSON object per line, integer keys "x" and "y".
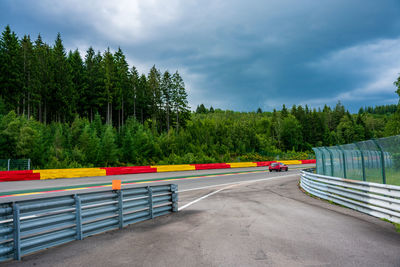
{"x": 239, "y": 55}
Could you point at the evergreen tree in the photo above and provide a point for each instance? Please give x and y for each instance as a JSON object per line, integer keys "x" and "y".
{"x": 27, "y": 75}
{"x": 201, "y": 109}
{"x": 166, "y": 89}
{"x": 143, "y": 99}
{"x": 43, "y": 78}
{"x": 109, "y": 82}
{"x": 10, "y": 70}
{"x": 179, "y": 99}
{"x": 63, "y": 103}
{"x": 153, "y": 85}
{"x": 121, "y": 84}
{"x": 133, "y": 90}
{"x": 284, "y": 111}
{"x": 91, "y": 76}
{"x": 79, "y": 84}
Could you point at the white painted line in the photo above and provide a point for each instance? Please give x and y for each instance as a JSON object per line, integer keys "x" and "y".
{"x": 203, "y": 197}
{"x": 230, "y": 185}
{"x": 233, "y": 183}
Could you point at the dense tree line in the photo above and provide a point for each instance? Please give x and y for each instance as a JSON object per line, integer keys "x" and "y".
{"x": 386, "y": 109}
{"x": 209, "y": 136}
{"x": 301, "y": 128}
{"x": 47, "y": 83}
{"x": 64, "y": 111}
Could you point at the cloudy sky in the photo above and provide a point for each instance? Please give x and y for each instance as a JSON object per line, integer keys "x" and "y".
{"x": 238, "y": 55}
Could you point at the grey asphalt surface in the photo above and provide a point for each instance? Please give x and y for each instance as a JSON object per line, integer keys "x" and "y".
{"x": 183, "y": 184}
{"x": 265, "y": 223}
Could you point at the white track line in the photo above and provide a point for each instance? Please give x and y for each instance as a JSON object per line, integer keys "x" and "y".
{"x": 233, "y": 183}
{"x": 203, "y": 197}
{"x": 230, "y": 185}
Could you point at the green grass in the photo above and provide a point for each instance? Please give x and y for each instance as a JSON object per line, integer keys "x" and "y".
{"x": 396, "y": 225}
{"x": 373, "y": 175}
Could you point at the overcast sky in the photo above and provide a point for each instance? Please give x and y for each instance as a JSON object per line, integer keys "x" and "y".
{"x": 238, "y": 55}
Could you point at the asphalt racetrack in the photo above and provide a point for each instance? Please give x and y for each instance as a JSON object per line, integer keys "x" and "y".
{"x": 250, "y": 218}
{"x": 20, "y": 190}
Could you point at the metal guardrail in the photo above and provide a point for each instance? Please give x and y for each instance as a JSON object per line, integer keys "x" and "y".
{"x": 32, "y": 225}
{"x": 379, "y": 200}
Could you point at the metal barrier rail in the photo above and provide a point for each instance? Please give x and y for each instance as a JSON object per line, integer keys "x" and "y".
{"x": 379, "y": 200}
{"x": 32, "y": 225}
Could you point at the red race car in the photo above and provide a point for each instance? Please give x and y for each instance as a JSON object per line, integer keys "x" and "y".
{"x": 278, "y": 167}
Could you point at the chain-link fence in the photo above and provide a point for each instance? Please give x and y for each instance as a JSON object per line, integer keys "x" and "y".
{"x": 15, "y": 164}
{"x": 376, "y": 160}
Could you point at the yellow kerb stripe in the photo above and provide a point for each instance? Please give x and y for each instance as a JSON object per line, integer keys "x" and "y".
{"x": 70, "y": 173}
{"x": 242, "y": 164}
{"x": 173, "y": 168}
{"x": 291, "y": 162}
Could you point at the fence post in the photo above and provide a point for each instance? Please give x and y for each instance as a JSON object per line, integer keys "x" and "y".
{"x": 362, "y": 160}
{"x": 344, "y": 161}
{"x": 382, "y": 160}
{"x": 174, "y": 197}
{"x": 120, "y": 209}
{"x": 17, "y": 232}
{"x": 323, "y": 161}
{"x": 29, "y": 164}
{"x": 150, "y": 191}
{"x": 331, "y": 158}
{"x": 8, "y": 164}
{"x": 78, "y": 216}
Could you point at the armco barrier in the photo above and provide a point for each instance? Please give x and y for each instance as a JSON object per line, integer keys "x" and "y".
{"x": 32, "y": 225}
{"x": 106, "y": 171}
{"x": 379, "y": 200}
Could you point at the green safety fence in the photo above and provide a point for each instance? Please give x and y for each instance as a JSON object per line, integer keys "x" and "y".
{"x": 15, "y": 164}
{"x": 376, "y": 160}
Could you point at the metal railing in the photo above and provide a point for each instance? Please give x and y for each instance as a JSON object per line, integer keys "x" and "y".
{"x": 379, "y": 200}
{"x": 376, "y": 160}
{"x": 15, "y": 164}
{"x": 32, "y": 225}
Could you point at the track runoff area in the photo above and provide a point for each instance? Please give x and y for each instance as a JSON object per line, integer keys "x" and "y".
{"x": 186, "y": 180}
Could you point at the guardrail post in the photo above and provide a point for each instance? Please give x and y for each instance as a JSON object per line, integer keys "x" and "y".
{"x": 78, "y": 215}
{"x": 120, "y": 209}
{"x": 174, "y": 197}
{"x": 17, "y": 232}
{"x": 331, "y": 159}
{"x": 344, "y": 161}
{"x": 150, "y": 199}
{"x": 362, "y": 161}
{"x": 382, "y": 160}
